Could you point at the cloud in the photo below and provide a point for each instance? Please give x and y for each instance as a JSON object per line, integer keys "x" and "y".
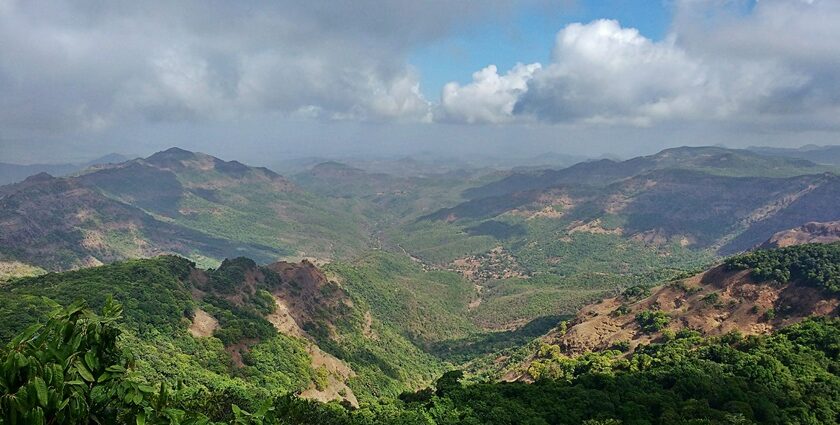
{"x": 489, "y": 98}
{"x": 774, "y": 65}
{"x": 82, "y": 65}
{"x": 601, "y": 72}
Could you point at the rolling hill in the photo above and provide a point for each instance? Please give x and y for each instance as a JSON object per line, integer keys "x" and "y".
{"x": 284, "y": 327}
{"x": 174, "y": 201}
{"x": 819, "y": 154}
{"x": 550, "y": 241}
{"x": 244, "y": 341}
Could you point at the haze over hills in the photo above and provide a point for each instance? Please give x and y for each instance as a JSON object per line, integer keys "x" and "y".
{"x": 479, "y": 269}
{"x": 505, "y": 212}
{"x": 545, "y": 241}
{"x": 829, "y": 154}
{"x": 174, "y": 201}
{"x": 706, "y": 198}
{"x": 12, "y": 173}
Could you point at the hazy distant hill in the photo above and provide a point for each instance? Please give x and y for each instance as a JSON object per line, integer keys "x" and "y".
{"x": 819, "y": 154}
{"x": 702, "y": 197}
{"x": 711, "y": 160}
{"x": 11, "y": 173}
{"x": 173, "y": 201}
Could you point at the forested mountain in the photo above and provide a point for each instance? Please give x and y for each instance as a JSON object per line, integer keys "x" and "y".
{"x": 233, "y": 343}
{"x": 711, "y": 160}
{"x": 171, "y": 202}
{"x": 555, "y": 241}
{"x": 258, "y": 330}
{"x": 751, "y": 294}
{"x": 600, "y": 275}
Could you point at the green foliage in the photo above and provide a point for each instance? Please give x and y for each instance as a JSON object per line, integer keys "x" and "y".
{"x": 621, "y": 345}
{"x": 816, "y": 264}
{"x": 280, "y": 362}
{"x": 264, "y": 302}
{"x": 238, "y": 322}
{"x": 423, "y": 305}
{"x": 230, "y": 274}
{"x": 151, "y": 291}
{"x": 711, "y": 298}
{"x": 620, "y": 310}
{"x": 652, "y": 320}
{"x": 636, "y": 292}
{"x": 70, "y": 370}
{"x": 787, "y": 378}
{"x": 155, "y": 329}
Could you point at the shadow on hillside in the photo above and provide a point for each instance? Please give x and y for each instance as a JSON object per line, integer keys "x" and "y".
{"x": 463, "y": 349}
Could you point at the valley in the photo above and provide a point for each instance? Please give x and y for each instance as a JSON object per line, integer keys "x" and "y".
{"x": 497, "y": 212}
{"x": 348, "y": 287}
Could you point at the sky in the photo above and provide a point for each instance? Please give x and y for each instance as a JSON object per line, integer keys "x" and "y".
{"x": 266, "y": 81}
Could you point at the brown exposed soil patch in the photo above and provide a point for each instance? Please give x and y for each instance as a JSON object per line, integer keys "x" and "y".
{"x": 714, "y": 302}
{"x": 203, "y": 324}
{"x": 338, "y": 372}
{"x": 336, "y": 383}
{"x": 593, "y": 226}
{"x": 367, "y": 327}
{"x": 809, "y": 233}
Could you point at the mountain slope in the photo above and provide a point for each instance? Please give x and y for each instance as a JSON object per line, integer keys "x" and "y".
{"x": 812, "y": 232}
{"x": 676, "y": 196}
{"x": 174, "y": 201}
{"x": 711, "y": 160}
{"x": 753, "y": 293}
{"x": 61, "y": 223}
{"x": 273, "y": 329}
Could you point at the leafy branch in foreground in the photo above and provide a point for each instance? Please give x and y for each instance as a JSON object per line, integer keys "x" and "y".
{"x": 70, "y": 370}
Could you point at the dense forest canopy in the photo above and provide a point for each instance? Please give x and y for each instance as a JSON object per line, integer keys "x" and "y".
{"x": 817, "y": 264}
{"x": 71, "y": 369}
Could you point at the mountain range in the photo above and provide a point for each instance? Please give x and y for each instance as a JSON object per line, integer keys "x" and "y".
{"x": 12, "y": 173}
{"x": 174, "y": 201}
{"x": 819, "y": 154}
{"x": 345, "y": 295}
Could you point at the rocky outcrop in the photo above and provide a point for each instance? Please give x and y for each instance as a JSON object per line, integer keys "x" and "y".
{"x": 813, "y": 232}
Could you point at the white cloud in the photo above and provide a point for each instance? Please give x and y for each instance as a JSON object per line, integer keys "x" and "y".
{"x": 65, "y": 63}
{"x": 774, "y": 65}
{"x": 489, "y": 98}
{"x": 601, "y": 72}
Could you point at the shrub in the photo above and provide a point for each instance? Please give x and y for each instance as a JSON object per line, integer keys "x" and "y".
{"x": 652, "y": 321}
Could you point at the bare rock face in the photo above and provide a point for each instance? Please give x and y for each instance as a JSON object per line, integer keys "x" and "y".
{"x": 813, "y": 232}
